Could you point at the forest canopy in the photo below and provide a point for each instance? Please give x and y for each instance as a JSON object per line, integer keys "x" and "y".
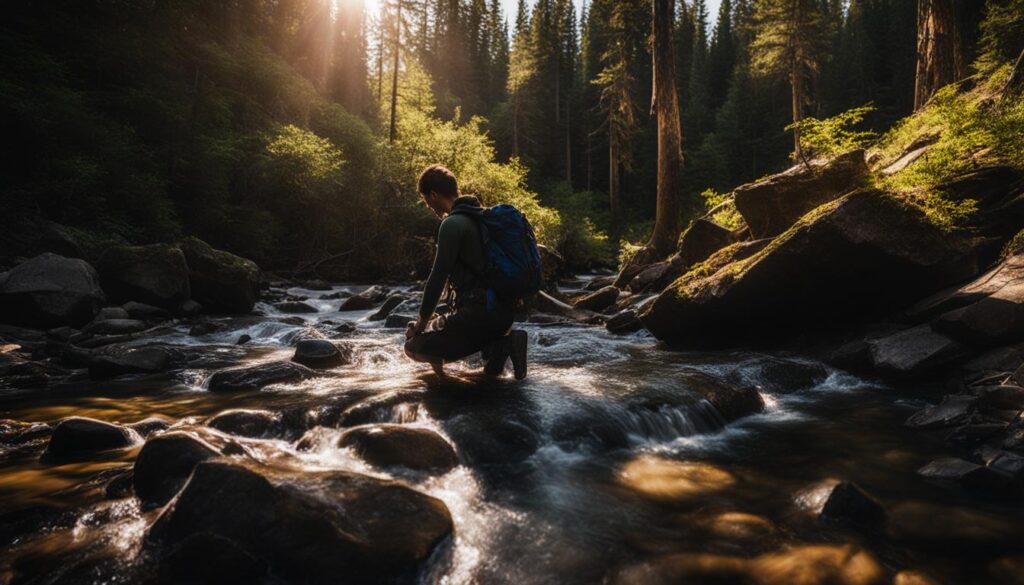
{"x": 291, "y": 131}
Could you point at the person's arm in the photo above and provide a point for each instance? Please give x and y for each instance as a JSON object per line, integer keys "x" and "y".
{"x": 449, "y": 237}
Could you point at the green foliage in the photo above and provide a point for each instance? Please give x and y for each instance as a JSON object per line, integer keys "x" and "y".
{"x": 581, "y": 236}
{"x": 969, "y": 128}
{"x": 1002, "y": 35}
{"x": 1015, "y": 245}
{"x": 727, "y": 216}
{"x": 834, "y": 136}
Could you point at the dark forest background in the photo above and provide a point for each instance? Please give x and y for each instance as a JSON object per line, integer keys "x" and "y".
{"x": 291, "y": 131}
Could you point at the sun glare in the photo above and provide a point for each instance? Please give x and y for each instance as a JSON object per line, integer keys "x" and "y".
{"x": 372, "y": 6}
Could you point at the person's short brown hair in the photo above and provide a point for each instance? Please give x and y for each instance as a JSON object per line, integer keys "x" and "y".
{"x": 440, "y": 179}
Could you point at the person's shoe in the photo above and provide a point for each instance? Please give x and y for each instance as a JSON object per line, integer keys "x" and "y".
{"x": 517, "y": 352}
{"x": 497, "y": 354}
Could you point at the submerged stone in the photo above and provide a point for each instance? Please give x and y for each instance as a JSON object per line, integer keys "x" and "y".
{"x": 387, "y": 445}
{"x": 78, "y": 436}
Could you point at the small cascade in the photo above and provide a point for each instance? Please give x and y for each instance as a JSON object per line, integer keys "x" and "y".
{"x": 670, "y": 421}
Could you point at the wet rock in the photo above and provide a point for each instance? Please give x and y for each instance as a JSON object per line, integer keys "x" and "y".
{"x": 316, "y": 438}
{"x": 624, "y": 322}
{"x": 394, "y": 445}
{"x": 49, "y": 291}
{"x": 845, "y": 501}
{"x": 974, "y": 433}
{"x": 970, "y": 475}
{"x": 345, "y": 327}
{"x": 243, "y": 339}
{"x": 115, "y": 326}
{"x": 914, "y": 352}
{"x": 251, "y": 378}
{"x": 490, "y": 440}
{"x": 62, "y": 334}
{"x": 111, "y": 313}
{"x": 156, "y": 274}
{"x": 1018, "y": 376}
{"x": 1004, "y": 462}
{"x": 320, "y": 353}
{"x": 367, "y": 299}
{"x": 78, "y": 436}
{"x": 819, "y": 564}
{"x": 863, "y": 254}
{"x": 213, "y": 559}
{"x": 308, "y": 526}
{"x": 598, "y": 300}
{"x": 954, "y": 410}
{"x": 549, "y": 304}
{"x": 165, "y": 463}
{"x": 294, "y": 320}
{"x": 389, "y": 304}
{"x": 337, "y": 295}
{"x": 785, "y": 375}
{"x": 398, "y": 321}
{"x": 144, "y": 312}
{"x": 737, "y": 529}
{"x": 150, "y": 425}
{"x": 247, "y": 423}
{"x": 731, "y": 401}
{"x": 219, "y": 280}
{"x": 771, "y": 205}
{"x": 295, "y": 307}
{"x": 144, "y": 360}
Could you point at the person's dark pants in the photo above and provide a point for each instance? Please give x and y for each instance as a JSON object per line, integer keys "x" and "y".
{"x": 470, "y": 329}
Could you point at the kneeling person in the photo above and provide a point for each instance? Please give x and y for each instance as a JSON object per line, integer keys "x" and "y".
{"x": 480, "y": 321}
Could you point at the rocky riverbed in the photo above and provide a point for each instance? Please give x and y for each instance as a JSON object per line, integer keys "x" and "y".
{"x": 297, "y": 444}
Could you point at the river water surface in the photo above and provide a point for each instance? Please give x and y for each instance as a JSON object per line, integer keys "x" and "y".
{"x": 600, "y": 462}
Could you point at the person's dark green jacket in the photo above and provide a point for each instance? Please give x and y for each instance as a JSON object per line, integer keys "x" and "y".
{"x": 459, "y": 257}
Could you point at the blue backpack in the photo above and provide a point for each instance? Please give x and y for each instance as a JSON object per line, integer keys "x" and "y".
{"x": 512, "y": 259}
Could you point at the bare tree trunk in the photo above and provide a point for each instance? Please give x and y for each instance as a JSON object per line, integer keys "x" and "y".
{"x": 613, "y": 175}
{"x": 665, "y": 103}
{"x": 797, "y": 97}
{"x": 394, "y": 73}
{"x": 939, "y": 54}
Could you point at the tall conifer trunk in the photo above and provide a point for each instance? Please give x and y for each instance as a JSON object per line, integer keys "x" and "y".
{"x": 939, "y": 55}
{"x": 665, "y": 103}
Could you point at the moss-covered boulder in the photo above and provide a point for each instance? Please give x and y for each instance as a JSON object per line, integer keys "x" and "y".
{"x": 863, "y": 254}
{"x": 220, "y": 281}
{"x": 770, "y": 206}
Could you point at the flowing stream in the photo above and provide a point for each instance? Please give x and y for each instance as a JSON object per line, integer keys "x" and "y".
{"x": 601, "y": 460}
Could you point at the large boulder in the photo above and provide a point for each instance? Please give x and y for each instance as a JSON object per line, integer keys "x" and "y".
{"x": 78, "y": 436}
{"x": 49, "y": 291}
{"x": 250, "y": 378}
{"x": 219, "y": 280}
{"x": 913, "y": 352}
{"x": 387, "y": 445}
{"x": 862, "y": 255}
{"x": 308, "y": 526}
{"x": 995, "y": 319}
{"x": 321, "y": 353}
{"x": 156, "y": 274}
{"x": 702, "y": 239}
{"x": 1007, "y": 275}
{"x": 770, "y": 206}
{"x": 165, "y": 462}
{"x": 732, "y": 401}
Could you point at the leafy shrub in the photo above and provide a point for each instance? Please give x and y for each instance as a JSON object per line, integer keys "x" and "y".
{"x": 834, "y": 136}
{"x": 727, "y": 216}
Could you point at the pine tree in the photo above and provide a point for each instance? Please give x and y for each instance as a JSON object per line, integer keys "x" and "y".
{"x": 617, "y": 103}
{"x": 721, "y": 56}
{"x": 695, "y": 114}
{"x": 790, "y": 41}
{"x": 521, "y": 70}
